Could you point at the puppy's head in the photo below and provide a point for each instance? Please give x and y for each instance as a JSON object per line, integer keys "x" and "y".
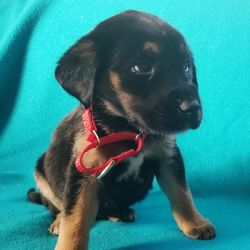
{"x": 140, "y": 68}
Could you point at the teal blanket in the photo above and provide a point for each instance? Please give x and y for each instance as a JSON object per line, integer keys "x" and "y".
{"x": 35, "y": 33}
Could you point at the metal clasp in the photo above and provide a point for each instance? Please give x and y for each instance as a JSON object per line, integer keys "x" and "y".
{"x": 138, "y": 136}
{"x": 96, "y": 136}
{"x": 107, "y": 169}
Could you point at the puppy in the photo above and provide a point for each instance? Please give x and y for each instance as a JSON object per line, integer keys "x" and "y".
{"x": 135, "y": 78}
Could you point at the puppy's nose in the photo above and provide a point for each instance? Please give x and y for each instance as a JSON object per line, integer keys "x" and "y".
{"x": 189, "y": 107}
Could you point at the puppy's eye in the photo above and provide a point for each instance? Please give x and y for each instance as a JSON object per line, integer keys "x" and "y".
{"x": 142, "y": 68}
{"x": 186, "y": 67}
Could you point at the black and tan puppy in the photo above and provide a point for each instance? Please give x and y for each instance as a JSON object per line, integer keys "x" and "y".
{"x": 138, "y": 74}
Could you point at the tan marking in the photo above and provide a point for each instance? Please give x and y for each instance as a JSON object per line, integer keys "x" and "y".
{"x": 91, "y": 158}
{"x": 151, "y": 46}
{"x": 115, "y": 80}
{"x": 75, "y": 227}
{"x": 55, "y": 226}
{"x": 46, "y": 191}
{"x": 79, "y": 144}
{"x": 125, "y": 99}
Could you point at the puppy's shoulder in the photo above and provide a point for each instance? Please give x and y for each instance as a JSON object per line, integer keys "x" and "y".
{"x": 69, "y": 126}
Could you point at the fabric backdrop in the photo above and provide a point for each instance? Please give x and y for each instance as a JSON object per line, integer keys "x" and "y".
{"x": 35, "y": 33}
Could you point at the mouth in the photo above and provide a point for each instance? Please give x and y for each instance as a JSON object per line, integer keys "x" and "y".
{"x": 165, "y": 124}
{"x": 194, "y": 119}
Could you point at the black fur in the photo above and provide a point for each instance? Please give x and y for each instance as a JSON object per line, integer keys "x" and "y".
{"x": 34, "y": 196}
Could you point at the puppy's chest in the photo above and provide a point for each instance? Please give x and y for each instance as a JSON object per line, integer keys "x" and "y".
{"x": 131, "y": 168}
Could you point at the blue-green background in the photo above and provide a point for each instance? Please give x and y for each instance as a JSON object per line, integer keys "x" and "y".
{"x": 34, "y": 34}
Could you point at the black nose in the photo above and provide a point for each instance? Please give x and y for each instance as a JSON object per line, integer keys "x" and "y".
{"x": 189, "y": 107}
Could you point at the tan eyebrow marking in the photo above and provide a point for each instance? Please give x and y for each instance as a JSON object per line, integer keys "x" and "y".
{"x": 151, "y": 46}
{"x": 115, "y": 80}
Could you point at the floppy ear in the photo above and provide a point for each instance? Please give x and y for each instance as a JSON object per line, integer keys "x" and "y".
{"x": 76, "y": 70}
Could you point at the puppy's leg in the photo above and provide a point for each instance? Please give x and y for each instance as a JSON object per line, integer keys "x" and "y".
{"x": 79, "y": 213}
{"x": 171, "y": 178}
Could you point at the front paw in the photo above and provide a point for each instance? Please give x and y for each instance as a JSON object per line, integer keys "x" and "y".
{"x": 203, "y": 229}
{"x": 55, "y": 226}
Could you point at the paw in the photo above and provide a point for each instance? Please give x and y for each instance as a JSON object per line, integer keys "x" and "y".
{"x": 203, "y": 230}
{"x": 55, "y": 226}
{"x": 124, "y": 216}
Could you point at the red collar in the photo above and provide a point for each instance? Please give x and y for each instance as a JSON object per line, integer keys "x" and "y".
{"x": 95, "y": 141}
